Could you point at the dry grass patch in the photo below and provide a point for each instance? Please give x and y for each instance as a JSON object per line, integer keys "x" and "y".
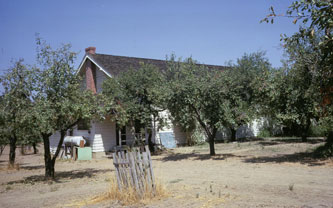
{"x": 127, "y": 196}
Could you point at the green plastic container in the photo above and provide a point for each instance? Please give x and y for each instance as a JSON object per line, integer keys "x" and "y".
{"x": 84, "y": 153}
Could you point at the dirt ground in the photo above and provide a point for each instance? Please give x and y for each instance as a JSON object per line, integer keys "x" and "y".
{"x": 263, "y": 173}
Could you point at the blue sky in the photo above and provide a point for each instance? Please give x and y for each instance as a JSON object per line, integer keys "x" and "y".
{"x": 211, "y": 31}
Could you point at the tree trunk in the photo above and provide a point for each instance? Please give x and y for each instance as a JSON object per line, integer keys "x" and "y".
{"x": 49, "y": 167}
{"x": 12, "y": 150}
{"x": 211, "y": 140}
{"x": 304, "y": 138}
{"x": 150, "y": 142}
{"x": 34, "y": 145}
{"x": 233, "y": 134}
{"x": 329, "y": 140}
{"x": 22, "y": 149}
{"x": 305, "y": 131}
{"x": 50, "y": 161}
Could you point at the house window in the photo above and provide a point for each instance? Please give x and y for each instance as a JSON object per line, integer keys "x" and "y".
{"x": 83, "y": 124}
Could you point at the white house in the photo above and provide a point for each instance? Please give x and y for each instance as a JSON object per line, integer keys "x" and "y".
{"x": 105, "y": 136}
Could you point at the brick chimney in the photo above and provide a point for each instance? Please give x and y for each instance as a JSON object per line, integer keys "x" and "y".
{"x": 90, "y": 71}
{"x": 91, "y": 50}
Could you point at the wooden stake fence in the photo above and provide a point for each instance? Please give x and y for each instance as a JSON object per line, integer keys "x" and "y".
{"x": 134, "y": 169}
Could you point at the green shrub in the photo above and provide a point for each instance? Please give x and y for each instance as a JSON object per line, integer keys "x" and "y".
{"x": 319, "y": 130}
{"x": 264, "y": 133}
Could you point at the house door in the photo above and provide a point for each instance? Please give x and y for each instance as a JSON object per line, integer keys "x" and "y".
{"x": 120, "y": 135}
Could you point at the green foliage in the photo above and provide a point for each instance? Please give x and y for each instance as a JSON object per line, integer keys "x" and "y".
{"x": 311, "y": 48}
{"x": 292, "y": 94}
{"x": 16, "y": 105}
{"x": 214, "y": 98}
{"x": 137, "y": 94}
{"x": 197, "y": 95}
{"x": 197, "y": 136}
{"x": 136, "y": 98}
{"x": 59, "y": 102}
{"x": 264, "y": 133}
{"x": 240, "y": 83}
{"x": 16, "y": 100}
{"x": 319, "y": 129}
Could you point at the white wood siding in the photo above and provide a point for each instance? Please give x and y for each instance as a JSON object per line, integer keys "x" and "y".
{"x": 180, "y": 136}
{"x": 104, "y": 136}
{"x": 54, "y": 140}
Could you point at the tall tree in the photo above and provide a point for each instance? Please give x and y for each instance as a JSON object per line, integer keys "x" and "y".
{"x": 59, "y": 101}
{"x": 315, "y": 19}
{"x": 196, "y": 93}
{"x": 15, "y": 106}
{"x": 240, "y": 89}
{"x": 137, "y": 96}
{"x": 292, "y": 99}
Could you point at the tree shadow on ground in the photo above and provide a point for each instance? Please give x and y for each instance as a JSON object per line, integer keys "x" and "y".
{"x": 62, "y": 176}
{"x": 290, "y": 141}
{"x": 250, "y": 139}
{"x": 240, "y": 140}
{"x": 32, "y": 167}
{"x": 299, "y": 140}
{"x": 195, "y": 156}
{"x": 306, "y": 158}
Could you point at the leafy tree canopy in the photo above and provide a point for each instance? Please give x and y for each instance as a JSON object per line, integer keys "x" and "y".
{"x": 240, "y": 83}
{"x": 59, "y": 101}
{"x": 16, "y": 106}
{"x": 137, "y": 95}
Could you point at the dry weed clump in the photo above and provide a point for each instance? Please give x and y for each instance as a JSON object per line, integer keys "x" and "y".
{"x": 127, "y": 196}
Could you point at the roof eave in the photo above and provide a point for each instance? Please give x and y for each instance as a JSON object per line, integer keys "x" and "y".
{"x": 92, "y": 60}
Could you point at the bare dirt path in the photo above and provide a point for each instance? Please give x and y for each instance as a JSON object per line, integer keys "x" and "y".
{"x": 269, "y": 173}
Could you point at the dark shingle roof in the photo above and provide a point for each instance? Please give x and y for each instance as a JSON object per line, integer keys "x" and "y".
{"x": 117, "y": 64}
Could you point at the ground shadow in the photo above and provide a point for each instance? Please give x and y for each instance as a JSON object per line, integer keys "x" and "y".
{"x": 290, "y": 141}
{"x": 299, "y": 140}
{"x": 250, "y": 139}
{"x": 240, "y": 140}
{"x": 32, "y": 167}
{"x": 62, "y": 176}
{"x": 306, "y": 158}
{"x": 195, "y": 156}
{"x": 268, "y": 143}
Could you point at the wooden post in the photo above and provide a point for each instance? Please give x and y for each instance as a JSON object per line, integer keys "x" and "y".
{"x": 150, "y": 166}
{"x": 132, "y": 165}
{"x": 116, "y": 165}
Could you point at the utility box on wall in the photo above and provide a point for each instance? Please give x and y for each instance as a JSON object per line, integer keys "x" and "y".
{"x": 84, "y": 153}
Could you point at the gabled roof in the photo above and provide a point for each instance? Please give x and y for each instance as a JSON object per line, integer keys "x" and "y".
{"x": 113, "y": 65}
